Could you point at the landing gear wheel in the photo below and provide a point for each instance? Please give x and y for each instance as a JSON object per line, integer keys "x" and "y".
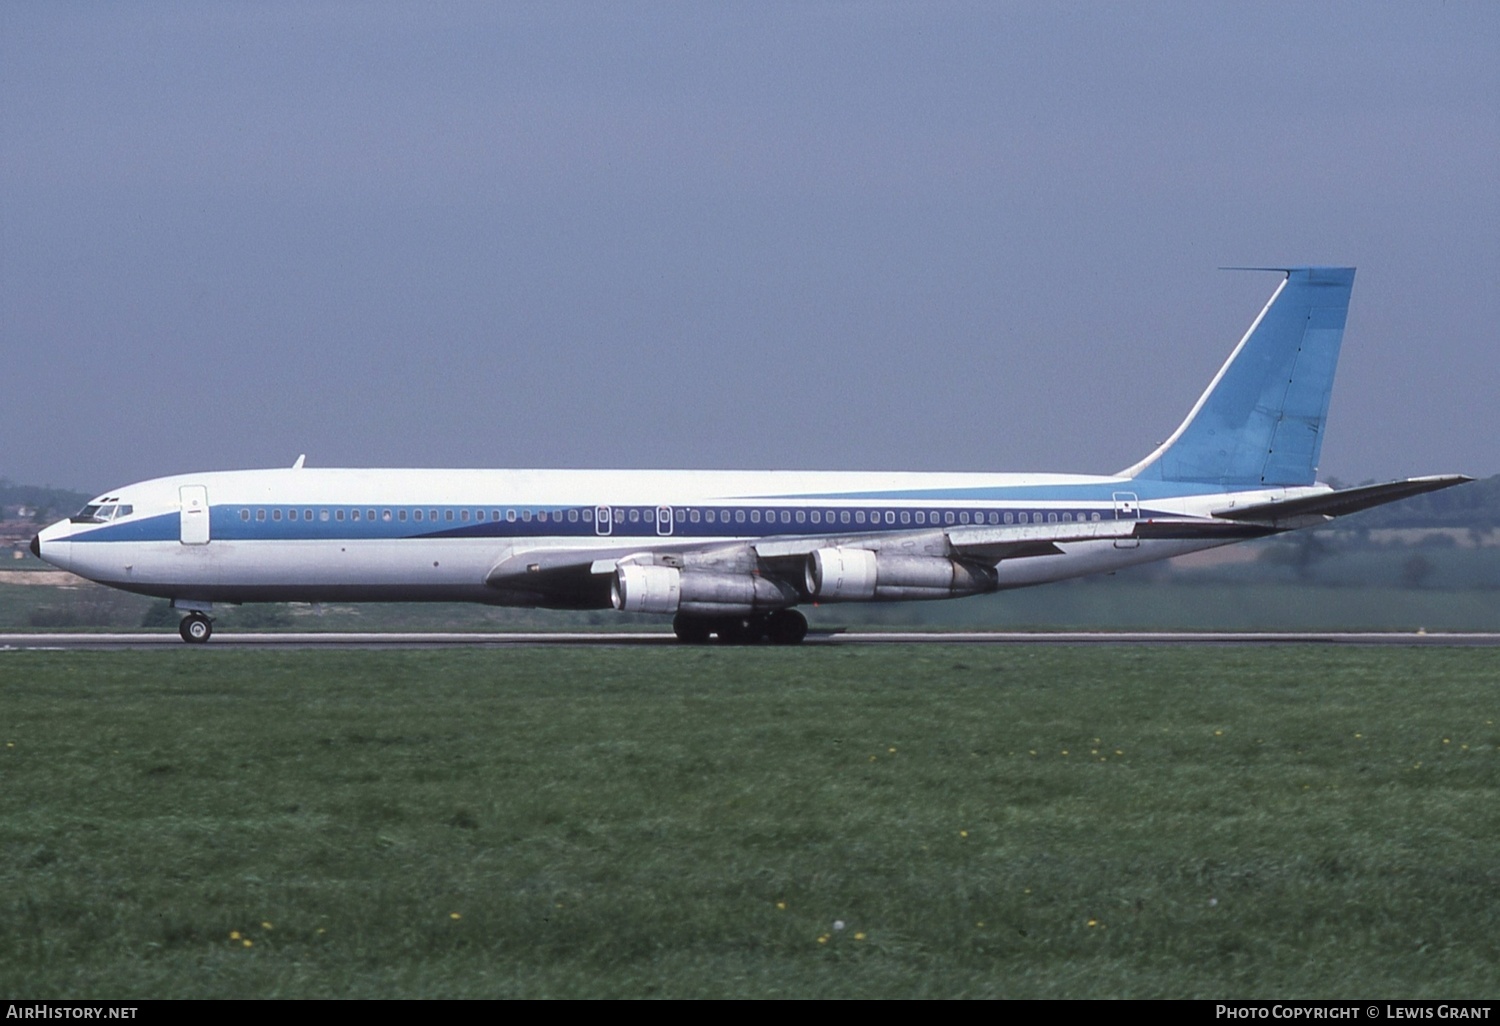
{"x": 786, "y": 627}
{"x": 691, "y": 630}
{"x": 196, "y": 628}
{"x": 741, "y": 631}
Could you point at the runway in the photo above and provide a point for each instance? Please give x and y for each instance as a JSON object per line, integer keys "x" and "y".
{"x": 237, "y": 641}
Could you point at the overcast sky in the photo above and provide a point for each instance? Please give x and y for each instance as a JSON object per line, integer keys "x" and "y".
{"x": 932, "y": 236}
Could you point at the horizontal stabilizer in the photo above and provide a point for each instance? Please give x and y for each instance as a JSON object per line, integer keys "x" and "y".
{"x": 1340, "y": 503}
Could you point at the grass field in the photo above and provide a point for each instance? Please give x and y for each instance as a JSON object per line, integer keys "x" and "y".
{"x": 982, "y": 821}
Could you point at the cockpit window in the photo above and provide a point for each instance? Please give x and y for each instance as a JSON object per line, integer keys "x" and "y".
{"x": 102, "y": 512}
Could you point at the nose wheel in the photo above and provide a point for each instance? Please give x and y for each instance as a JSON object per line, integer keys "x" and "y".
{"x": 196, "y": 628}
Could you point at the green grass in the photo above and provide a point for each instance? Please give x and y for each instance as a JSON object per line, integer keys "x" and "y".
{"x": 560, "y": 822}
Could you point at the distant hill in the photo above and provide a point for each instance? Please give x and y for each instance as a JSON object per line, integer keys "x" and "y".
{"x": 57, "y": 501}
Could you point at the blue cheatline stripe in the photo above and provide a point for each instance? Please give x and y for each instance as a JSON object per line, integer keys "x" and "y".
{"x": 730, "y": 520}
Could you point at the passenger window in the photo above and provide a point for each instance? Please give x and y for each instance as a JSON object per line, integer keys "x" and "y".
{"x": 1051, "y": 518}
{"x": 1009, "y": 517}
{"x": 526, "y": 516}
{"x": 323, "y": 515}
{"x": 755, "y": 516}
{"x": 385, "y": 515}
{"x": 619, "y": 516}
{"x": 369, "y": 515}
{"x": 416, "y": 514}
{"x": 572, "y": 516}
{"x": 635, "y": 516}
{"x": 817, "y": 517}
{"x": 307, "y": 514}
{"x": 447, "y": 514}
{"x": 693, "y": 515}
{"x": 338, "y": 514}
{"x": 1023, "y": 518}
{"x": 708, "y": 515}
{"x": 844, "y": 516}
{"x": 963, "y": 517}
{"x": 739, "y": 516}
{"x": 432, "y": 514}
{"x": 786, "y": 516}
{"x": 291, "y": 514}
{"x": 681, "y": 516}
{"x": 906, "y": 516}
{"x": 1067, "y": 518}
{"x": 244, "y": 514}
{"x": 260, "y": 515}
{"x": 353, "y": 515}
{"x": 463, "y": 515}
{"x": 401, "y": 514}
{"x": 588, "y": 516}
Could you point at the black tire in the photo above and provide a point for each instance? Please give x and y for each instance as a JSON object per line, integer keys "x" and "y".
{"x": 741, "y": 630}
{"x": 691, "y": 630}
{"x": 196, "y": 628}
{"x": 786, "y": 627}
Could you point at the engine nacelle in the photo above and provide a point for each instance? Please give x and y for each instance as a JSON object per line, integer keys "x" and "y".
{"x": 666, "y": 589}
{"x": 646, "y": 589}
{"x": 841, "y": 575}
{"x": 860, "y": 575}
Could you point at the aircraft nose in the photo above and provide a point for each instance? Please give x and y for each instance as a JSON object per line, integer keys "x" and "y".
{"x": 36, "y": 546}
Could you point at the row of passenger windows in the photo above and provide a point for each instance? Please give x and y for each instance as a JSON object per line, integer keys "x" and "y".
{"x": 690, "y": 515}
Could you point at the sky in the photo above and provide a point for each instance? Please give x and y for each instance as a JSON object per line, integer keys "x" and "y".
{"x": 840, "y": 236}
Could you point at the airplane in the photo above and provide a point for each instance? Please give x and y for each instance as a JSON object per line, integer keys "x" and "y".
{"x": 731, "y": 554}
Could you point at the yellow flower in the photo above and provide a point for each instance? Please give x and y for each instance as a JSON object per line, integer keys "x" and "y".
{"x": 247, "y": 942}
{"x": 1093, "y": 922}
{"x": 457, "y": 915}
{"x": 823, "y": 939}
{"x": 234, "y": 935}
{"x": 265, "y": 926}
{"x": 781, "y": 905}
{"x": 963, "y": 833}
{"x": 891, "y": 750}
{"x": 859, "y": 936}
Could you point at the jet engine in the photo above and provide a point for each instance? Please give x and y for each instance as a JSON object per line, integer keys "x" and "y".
{"x": 861, "y": 575}
{"x": 666, "y": 589}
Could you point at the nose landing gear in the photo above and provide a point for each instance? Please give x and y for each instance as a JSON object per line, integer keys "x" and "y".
{"x": 196, "y": 628}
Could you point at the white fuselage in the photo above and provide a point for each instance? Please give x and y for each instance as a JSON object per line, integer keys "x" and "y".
{"x": 406, "y": 535}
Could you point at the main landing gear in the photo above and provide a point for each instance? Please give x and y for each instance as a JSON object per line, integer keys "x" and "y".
{"x": 196, "y": 628}
{"x": 780, "y": 627}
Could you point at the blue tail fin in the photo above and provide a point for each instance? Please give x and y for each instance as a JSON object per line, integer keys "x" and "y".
{"x": 1261, "y": 420}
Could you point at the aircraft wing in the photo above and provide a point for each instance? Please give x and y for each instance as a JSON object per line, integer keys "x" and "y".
{"x": 567, "y": 575}
{"x": 1310, "y": 509}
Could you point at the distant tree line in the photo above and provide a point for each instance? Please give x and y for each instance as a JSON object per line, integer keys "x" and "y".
{"x": 44, "y": 500}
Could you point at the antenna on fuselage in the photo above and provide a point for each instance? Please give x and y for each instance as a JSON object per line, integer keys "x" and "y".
{"x": 300, "y": 460}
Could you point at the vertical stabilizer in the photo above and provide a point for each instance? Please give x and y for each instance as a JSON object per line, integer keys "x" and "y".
{"x": 1261, "y": 420}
